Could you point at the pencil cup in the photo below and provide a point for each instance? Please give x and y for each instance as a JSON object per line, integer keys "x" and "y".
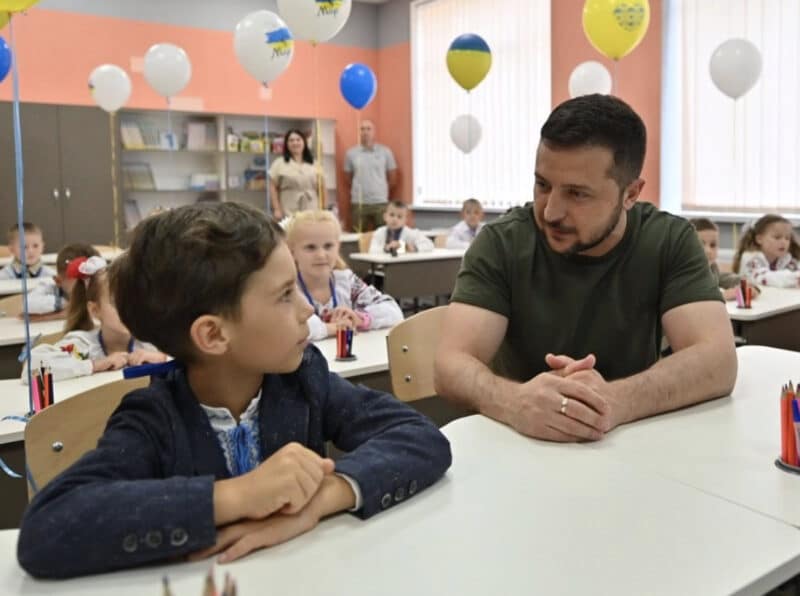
{"x": 344, "y": 344}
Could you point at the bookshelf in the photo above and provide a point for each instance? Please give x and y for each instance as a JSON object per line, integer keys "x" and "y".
{"x": 170, "y": 159}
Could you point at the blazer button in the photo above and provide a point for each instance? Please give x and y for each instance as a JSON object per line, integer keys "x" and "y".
{"x": 399, "y": 494}
{"x": 130, "y": 543}
{"x": 178, "y": 537}
{"x": 386, "y": 500}
{"x": 412, "y": 487}
{"x": 153, "y": 539}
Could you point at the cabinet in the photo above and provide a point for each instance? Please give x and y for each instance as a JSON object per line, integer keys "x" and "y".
{"x": 170, "y": 159}
{"x": 67, "y": 172}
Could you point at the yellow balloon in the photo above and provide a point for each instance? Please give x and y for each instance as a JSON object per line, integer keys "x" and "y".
{"x": 4, "y": 17}
{"x": 16, "y": 5}
{"x": 615, "y": 27}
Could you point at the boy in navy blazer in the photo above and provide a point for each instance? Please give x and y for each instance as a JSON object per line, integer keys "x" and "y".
{"x": 224, "y": 453}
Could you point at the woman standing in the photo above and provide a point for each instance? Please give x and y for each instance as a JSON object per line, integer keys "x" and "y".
{"x": 293, "y": 178}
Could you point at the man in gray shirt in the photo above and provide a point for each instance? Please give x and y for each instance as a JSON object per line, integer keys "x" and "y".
{"x": 371, "y": 174}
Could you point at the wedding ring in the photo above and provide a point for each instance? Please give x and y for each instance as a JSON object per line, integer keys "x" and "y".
{"x": 564, "y": 402}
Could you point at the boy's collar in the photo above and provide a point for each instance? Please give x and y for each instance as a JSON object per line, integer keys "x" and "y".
{"x": 33, "y": 270}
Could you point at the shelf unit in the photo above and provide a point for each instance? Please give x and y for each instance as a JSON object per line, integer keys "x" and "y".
{"x": 196, "y": 163}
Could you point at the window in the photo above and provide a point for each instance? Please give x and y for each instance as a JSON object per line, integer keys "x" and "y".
{"x": 718, "y": 155}
{"x": 511, "y": 103}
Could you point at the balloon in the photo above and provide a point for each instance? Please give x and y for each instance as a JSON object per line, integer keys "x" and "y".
{"x": 358, "y": 85}
{"x": 110, "y": 87}
{"x": 735, "y": 67}
{"x": 465, "y": 131}
{"x": 4, "y": 18}
{"x": 589, "y": 77}
{"x": 5, "y": 59}
{"x": 16, "y": 5}
{"x": 469, "y": 60}
{"x": 315, "y": 20}
{"x": 263, "y": 45}
{"x": 615, "y": 27}
{"x": 167, "y": 69}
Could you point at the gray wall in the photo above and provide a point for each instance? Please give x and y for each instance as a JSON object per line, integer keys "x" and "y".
{"x": 394, "y": 22}
{"x": 361, "y": 29}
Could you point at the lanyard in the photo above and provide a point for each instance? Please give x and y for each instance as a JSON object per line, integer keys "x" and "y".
{"x": 103, "y": 344}
{"x": 308, "y": 294}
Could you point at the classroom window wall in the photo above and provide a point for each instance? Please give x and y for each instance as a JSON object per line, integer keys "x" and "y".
{"x": 510, "y": 104}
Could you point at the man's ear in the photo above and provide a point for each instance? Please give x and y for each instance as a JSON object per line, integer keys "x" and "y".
{"x": 632, "y": 193}
{"x": 209, "y": 335}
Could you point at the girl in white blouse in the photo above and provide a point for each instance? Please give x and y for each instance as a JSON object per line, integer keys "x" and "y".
{"x": 339, "y": 296}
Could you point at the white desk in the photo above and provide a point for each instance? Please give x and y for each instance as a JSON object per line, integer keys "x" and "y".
{"x": 410, "y": 275}
{"x": 49, "y": 258}
{"x": 370, "y": 351}
{"x": 726, "y": 447}
{"x": 12, "y": 330}
{"x": 514, "y": 517}
{"x": 773, "y": 319}
{"x": 9, "y": 287}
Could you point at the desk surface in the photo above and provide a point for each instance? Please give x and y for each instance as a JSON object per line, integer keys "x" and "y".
{"x": 513, "y": 516}
{"x": 409, "y": 257}
{"x": 726, "y": 447}
{"x": 771, "y": 302}
{"x": 9, "y": 287}
{"x": 12, "y": 330}
{"x": 49, "y": 258}
{"x": 369, "y": 347}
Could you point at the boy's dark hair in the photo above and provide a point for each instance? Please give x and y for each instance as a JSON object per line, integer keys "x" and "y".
{"x": 287, "y": 155}
{"x": 27, "y": 227}
{"x": 397, "y": 204}
{"x": 600, "y": 121}
{"x": 703, "y": 224}
{"x": 471, "y": 203}
{"x": 188, "y": 262}
{"x": 73, "y": 251}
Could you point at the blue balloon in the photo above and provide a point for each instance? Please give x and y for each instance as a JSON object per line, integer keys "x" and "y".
{"x": 5, "y": 59}
{"x": 358, "y": 85}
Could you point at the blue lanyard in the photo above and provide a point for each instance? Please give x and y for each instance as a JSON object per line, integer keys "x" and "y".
{"x": 308, "y": 294}
{"x": 103, "y": 344}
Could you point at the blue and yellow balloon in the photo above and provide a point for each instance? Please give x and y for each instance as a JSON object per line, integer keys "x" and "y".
{"x": 615, "y": 27}
{"x": 469, "y": 60}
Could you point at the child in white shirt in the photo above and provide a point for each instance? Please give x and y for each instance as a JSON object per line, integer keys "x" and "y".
{"x": 50, "y": 297}
{"x": 85, "y": 349}
{"x": 34, "y": 247}
{"x": 395, "y": 237}
{"x": 768, "y": 253}
{"x": 339, "y": 296}
{"x": 463, "y": 233}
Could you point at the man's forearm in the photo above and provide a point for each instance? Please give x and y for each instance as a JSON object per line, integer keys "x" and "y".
{"x": 692, "y": 375}
{"x": 468, "y": 381}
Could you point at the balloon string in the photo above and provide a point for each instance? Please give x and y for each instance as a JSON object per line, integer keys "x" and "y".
{"x": 20, "y": 172}
{"x": 112, "y": 117}
{"x": 267, "y": 149}
{"x": 318, "y": 140}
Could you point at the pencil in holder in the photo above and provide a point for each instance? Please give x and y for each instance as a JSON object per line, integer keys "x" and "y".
{"x": 744, "y": 294}
{"x": 790, "y": 428}
{"x": 344, "y": 344}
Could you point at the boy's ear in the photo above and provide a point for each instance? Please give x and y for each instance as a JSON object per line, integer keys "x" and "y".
{"x": 209, "y": 335}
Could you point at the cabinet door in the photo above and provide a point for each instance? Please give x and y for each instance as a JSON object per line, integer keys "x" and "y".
{"x": 88, "y": 206}
{"x": 42, "y": 173}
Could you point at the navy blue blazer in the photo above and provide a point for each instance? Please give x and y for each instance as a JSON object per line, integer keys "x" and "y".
{"x": 146, "y": 492}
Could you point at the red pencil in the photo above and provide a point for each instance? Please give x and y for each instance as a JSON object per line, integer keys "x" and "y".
{"x": 784, "y": 438}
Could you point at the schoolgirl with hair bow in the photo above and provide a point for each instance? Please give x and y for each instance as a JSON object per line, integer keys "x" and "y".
{"x": 87, "y": 348}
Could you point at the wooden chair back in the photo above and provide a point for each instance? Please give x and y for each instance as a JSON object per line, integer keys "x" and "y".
{"x": 11, "y": 305}
{"x": 440, "y": 241}
{"x": 411, "y": 346}
{"x": 364, "y": 240}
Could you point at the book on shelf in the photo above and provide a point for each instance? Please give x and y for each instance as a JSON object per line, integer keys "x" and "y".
{"x": 131, "y": 135}
{"x": 137, "y": 176}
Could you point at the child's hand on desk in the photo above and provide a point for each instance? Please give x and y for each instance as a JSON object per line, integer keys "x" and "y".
{"x": 114, "y": 361}
{"x": 390, "y": 246}
{"x": 411, "y": 247}
{"x": 345, "y": 316}
{"x": 730, "y": 294}
{"x": 237, "y": 540}
{"x": 138, "y": 357}
{"x": 285, "y": 482}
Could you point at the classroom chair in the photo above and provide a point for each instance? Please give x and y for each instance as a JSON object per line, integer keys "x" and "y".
{"x": 411, "y": 346}
{"x": 58, "y": 436}
{"x": 364, "y": 240}
{"x": 4, "y": 252}
{"x": 440, "y": 241}
{"x": 11, "y": 306}
{"x": 50, "y": 338}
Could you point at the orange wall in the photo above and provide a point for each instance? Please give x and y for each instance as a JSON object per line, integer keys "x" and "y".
{"x": 57, "y": 50}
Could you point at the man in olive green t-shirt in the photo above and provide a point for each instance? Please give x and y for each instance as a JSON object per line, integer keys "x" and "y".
{"x": 560, "y": 306}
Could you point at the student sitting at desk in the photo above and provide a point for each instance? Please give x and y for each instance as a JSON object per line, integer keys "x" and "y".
{"x": 85, "y": 349}
{"x": 463, "y": 233}
{"x": 708, "y": 234}
{"x": 225, "y": 452}
{"x": 34, "y": 247}
{"x": 768, "y": 253}
{"x": 339, "y": 297}
{"x": 395, "y": 237}
{"x": 49, "y": 299}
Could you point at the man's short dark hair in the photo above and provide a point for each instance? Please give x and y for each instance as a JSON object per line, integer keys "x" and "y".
{"x": 188, "y": 262}
{"x": 600, "y": 121}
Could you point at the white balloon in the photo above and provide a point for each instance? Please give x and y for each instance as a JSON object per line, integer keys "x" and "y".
{"x": 735, "y": 67}
{"x": 465, "y": 132}
{"x": 167, "y": 69}
{"x": 110, "y": 86}
{"x": 589, "y": 77}
{"x": 263, "y": 45}
{"x": 315, "y": 20}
